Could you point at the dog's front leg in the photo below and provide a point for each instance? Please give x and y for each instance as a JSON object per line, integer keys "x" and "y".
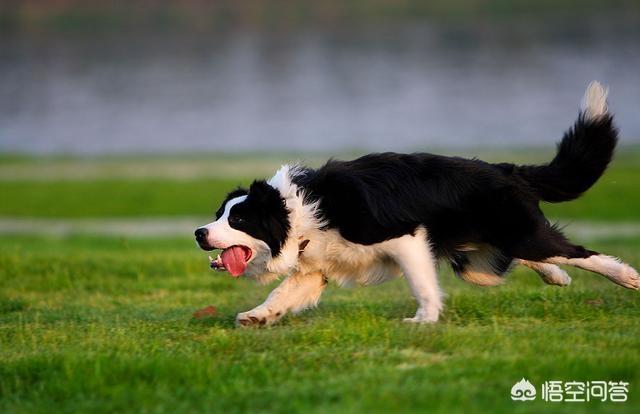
{"x": 414, "y": 256}
{"x": 296, "y": 293}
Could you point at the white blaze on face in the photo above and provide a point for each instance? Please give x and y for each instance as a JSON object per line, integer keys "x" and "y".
{"x": 221, "y": 235}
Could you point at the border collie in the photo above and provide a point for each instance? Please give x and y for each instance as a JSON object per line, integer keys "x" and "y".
{"x": 385, "y": 215}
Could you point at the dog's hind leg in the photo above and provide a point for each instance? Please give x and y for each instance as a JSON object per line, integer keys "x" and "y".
{"x": 608, "y": 266}
{"x": 296, "y": 293}
{"x": 550, "y": 273}
{"x": 549, "y": 245}
{"x": 415, "y": 258}
{"x": 482, "y": 265}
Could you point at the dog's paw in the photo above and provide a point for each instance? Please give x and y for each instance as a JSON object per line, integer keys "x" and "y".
{"x": 424, "y": 316}
{"x": 616, "y": 271}
{"x": 415, "y": 319}
{"x": 420, "y": 319}
{"x": 630, "y": 278}
{"x": 553, "y": 275}
{"x": 257, "y": 317}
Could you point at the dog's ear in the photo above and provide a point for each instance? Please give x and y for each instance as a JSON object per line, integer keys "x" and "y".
{"x": 263, "y": 193}
{"x": 271, "y": 209}
{"x": 239, "y": 191}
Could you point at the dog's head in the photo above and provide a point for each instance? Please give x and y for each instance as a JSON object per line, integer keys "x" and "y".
{"x": 251, "y": 228}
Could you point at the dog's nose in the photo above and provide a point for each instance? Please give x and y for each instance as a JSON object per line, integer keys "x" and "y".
{"x": 201, "y": 234}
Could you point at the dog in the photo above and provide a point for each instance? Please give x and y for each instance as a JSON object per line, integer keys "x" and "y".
{"x": 386, "y": 214}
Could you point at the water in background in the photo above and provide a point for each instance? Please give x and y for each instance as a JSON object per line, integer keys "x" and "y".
{"x": 393, "y": 87}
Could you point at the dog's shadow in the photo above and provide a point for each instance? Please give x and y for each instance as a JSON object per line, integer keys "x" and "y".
{"x": 225, "y": 319}
{"x": 332, "y": 312}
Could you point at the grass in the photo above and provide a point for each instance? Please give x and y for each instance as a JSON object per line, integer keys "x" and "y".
{"x": 122, "y": 198}
{"x": 614, "y": 198}
{"x": 104, "y": 324}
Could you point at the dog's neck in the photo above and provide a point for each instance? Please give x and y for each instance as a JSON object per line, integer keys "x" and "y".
{"x": 303, "y": 220}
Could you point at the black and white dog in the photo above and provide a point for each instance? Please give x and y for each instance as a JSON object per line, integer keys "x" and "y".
{"x": 383, "y": 215}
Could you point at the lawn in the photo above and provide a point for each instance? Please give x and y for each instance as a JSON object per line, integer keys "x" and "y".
{"x": 97, "y": 323}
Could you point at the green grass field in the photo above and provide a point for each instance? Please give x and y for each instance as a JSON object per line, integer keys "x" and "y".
{"x": 103, "y": 323}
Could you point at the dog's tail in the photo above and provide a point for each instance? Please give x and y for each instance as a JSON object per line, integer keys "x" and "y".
{"x": 583, "y": 154}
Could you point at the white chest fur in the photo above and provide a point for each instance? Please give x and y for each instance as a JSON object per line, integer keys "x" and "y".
{"x": 347, "y": 263}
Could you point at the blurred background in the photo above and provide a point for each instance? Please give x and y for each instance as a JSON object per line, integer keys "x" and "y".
{"x": 97, "y": 77}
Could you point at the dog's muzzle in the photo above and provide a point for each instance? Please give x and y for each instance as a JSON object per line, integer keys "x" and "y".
{"x": 201, "y": 238}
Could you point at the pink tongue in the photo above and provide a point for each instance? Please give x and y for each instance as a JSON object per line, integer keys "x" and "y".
{"x": 234, "y": 260}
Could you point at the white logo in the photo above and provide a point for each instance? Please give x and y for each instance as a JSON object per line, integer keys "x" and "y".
{"x": 572, "y": 391}
{"x": 581, "y": 391}
{"x": 523, "y": 390}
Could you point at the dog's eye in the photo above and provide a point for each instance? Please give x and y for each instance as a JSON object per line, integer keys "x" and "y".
{"x": 236, "y": 220}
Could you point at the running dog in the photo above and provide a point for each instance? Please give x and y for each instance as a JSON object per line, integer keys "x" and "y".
{"x": 384, "y": 215}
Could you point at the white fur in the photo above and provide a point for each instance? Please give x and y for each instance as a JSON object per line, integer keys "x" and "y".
{"x": 348, "y": 263}
{"x": 610, "y": 267}
{"x": 296, "y": 293}
{"x": 413, "y": 254}
{"x": 336, "y": 259}
{"x": 302, "y": 218}
{"x": 550, "y": 273}
{"x": 594, "y": 103}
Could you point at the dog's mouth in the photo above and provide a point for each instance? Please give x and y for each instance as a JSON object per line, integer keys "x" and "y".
{"x": 234, "y": 260}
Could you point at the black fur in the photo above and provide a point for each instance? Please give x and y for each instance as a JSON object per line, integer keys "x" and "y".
{"x": 263, "y": 215}
{"x": 462, "y": 201}
{"x": 238, "y": 192}
{"x": 583, "y": 155}
{"x": 495, "y": 259}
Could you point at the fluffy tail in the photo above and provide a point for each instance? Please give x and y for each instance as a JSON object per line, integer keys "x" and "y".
{"x": 583, "y": 154}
